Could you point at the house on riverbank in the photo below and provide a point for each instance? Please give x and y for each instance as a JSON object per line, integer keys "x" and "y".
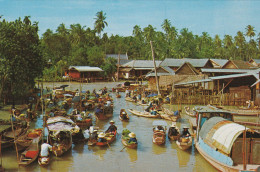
{"x": 84, "y": 73}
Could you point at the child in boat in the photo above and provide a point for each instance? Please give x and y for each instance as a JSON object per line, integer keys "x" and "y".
{"x": 112, "y": 128}
{"x": 132, "y": 138}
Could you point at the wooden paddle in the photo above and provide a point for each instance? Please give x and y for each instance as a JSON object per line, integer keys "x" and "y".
{"x": 123, "y": 149}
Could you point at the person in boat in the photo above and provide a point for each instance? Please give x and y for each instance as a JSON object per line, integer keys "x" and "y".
{"x": 139, "y": 97}
{"x": 134, "y": 98}
{"x": 99, "y": 109}
{"x": 154, "y": 112}
{"x": 132, "y": 138}
{"x": 149, "y": 107}
{"x": 167, "y": 99}
{"x": 123, "y": 115}
{"x": 185, "y": 132}
{"x": 112, "y": 128}
{"x": 93, "y": 136}
{"x": 108, "y": 104}
{"x": 173, "y": 131}
{"x": 45, "y": 148}
{"x": 101, "y": 137}
{"x": 177, "y": 112}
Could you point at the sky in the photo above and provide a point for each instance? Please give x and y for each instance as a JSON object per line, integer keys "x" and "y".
{"x": 222, "y": 17}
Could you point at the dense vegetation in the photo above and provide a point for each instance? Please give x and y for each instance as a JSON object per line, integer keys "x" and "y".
{"x": 23, "y": 54}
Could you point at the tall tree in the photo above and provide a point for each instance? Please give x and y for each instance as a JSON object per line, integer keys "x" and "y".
{"x": 100, "y": 22}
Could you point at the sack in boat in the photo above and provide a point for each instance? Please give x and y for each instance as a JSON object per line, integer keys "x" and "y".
{"x": 185, "y": 140}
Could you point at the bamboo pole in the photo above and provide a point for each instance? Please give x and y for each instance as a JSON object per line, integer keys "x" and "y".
{"x": 17, "y": 155}
{"x": 118, "y": 63}
{"x": 155, "y": 71}
{"x": 244, "y": 149}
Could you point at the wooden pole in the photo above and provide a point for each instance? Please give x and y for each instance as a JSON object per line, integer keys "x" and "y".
{"x": 244, "y": 149}
{"x": 155, "y": 71}
{"x": 118, "y": 64}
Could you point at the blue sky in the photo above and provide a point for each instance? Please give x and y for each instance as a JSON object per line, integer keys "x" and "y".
{"x": 213, "y": 16}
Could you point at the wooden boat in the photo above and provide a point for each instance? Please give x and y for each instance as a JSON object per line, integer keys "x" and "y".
{"x": 60, "y": 134}
{"x": 174, "y": 136}
{"x": 222, "y": 142}
{"x": 129, "y": 99}
{"x": 118, "y": 96}
{"x": 9, "y": 135}
{"x": 184, "y": 143}
{"x": 168, "y": 115}
{"x": 189, "y": 112}
{"x": 32, "y": 152}
{"x": 159, "y": 132}
{"x": 125, "y": 139}
{"x": 43, "y": 161}
{"x": 106, "y": 113}
{"x": 144, "y": 114}
{"x": 24, "y": 141}
{"x": 123, "y": 116}
{"x": 110, "y": 137}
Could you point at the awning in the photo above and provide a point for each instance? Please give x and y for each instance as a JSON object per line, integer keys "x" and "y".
{"x": 225, "y": 136}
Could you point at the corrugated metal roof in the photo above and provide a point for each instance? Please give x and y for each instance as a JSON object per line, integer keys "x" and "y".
{"x": 168, "y": 72}
{"x": 193, "y": 82}
{"x": 206, "y": 70}
{"x": 86, "y": 68}
{"x": 141, "y": 64}
{"x": 220, "y": 62}
{"x": 168, "y": 69}
{"x": 178, "y": 62}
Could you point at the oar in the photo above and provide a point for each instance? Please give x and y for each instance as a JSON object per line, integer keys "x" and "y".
{"x": 123, "y": 148}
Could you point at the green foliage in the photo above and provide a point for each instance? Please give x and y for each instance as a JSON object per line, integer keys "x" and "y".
{"x": 109, "y": 66}
{"x": 20, "y": 55}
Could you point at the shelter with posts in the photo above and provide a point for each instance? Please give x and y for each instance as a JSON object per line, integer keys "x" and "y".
{"x": 84, "y": 73}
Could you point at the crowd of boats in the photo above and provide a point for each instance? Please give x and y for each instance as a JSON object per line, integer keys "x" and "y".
{"x": 67, "y": 119}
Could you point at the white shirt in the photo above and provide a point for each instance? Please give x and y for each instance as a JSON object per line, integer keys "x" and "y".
{"x": 45, "y": 149}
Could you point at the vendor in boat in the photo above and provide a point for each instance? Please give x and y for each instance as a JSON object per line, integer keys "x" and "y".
{"x": 108, "y": 104}
{"x": 123, "y": 115}
{"x": 185, "y": 132}
{"x": 45, "y": 148}
{"x": 167, "y": 99}
{"x": 154, "y": 112}
{"x": 132, "y": 138}
{"x": 173, "y": 130}
{"x": 99, "y": 109}
{"x": 112, "y": 128}
{"x": 101, "y": 137}
{"x": 177, "y": 112}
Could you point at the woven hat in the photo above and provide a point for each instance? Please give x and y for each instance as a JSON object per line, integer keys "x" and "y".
{"x": 132, "y": 135}
{"x": 101, "y": 135}
{"x": 112, "y": 121}
{"x": 185, "y": 126}
{"x": 173, "y": 125}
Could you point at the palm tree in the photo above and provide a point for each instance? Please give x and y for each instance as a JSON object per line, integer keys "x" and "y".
{"x": 250, "y": 32}
{"x": 166, "y": 26}
{"x": 100, "y": 22}
{"x": 137, "y": 32}
{"x": 62, "y": 29}
{"x": 240, "y": 42}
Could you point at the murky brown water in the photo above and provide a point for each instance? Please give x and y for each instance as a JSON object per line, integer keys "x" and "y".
{"x": 147, "y": 157}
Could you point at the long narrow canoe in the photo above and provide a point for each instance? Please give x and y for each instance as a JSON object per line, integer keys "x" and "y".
{"x": 110, "y": 137}
{"x": 143, "y": 114}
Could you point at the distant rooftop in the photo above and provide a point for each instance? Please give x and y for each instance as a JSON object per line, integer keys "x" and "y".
{"x": 115, "y": 56}
{"x": 86, "y": 68}
{"x": 178, "y": 62}
{"x": 144, "y": 64}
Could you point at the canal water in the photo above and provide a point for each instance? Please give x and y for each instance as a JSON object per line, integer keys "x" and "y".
{"x": 148, "y": 157}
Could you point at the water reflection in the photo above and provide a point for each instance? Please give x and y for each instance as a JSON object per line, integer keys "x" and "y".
{"x": 183, "y": 156}
{"x": 132, "y": 154}
{"x": 158, "y": 149}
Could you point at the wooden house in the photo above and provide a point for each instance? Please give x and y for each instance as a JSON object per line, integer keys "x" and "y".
{"x": 121, "y": 58}
{"x": 218, "y": 63}
{"x": 255, "y": 62}
{"x": 84, "y": 73}
{"x": 238, "y": 64}
{"x": 136, "y": 68}
{"x": 196, "y": 63}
